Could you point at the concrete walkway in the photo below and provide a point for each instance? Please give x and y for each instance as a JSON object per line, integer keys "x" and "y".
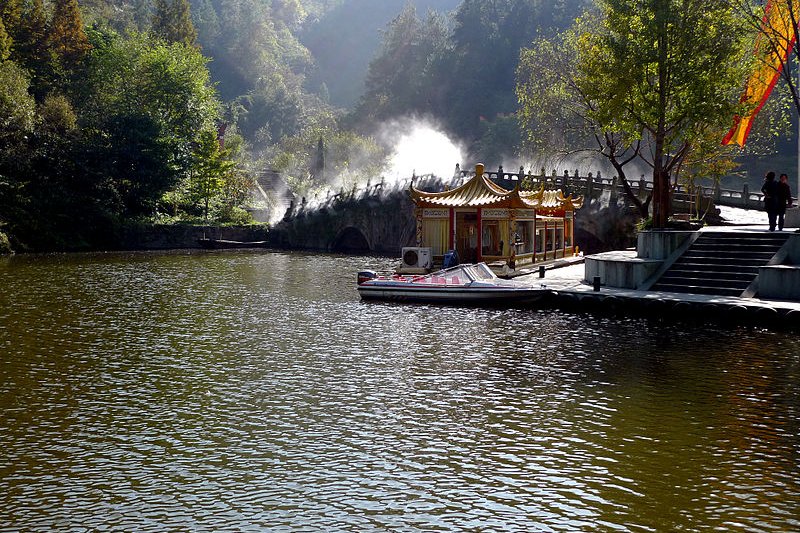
{"x": 565, "y": 278}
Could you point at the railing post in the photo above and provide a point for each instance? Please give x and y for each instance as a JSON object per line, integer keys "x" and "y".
{"x": 589, "y": 185}
{"x": 717, "y": 192}
{"x": 746, "y": 194}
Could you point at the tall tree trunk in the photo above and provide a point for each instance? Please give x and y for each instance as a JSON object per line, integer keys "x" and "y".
{"x": 661, "y": 185}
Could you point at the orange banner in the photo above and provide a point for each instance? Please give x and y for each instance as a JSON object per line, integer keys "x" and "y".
{"x": 773, "y": 46}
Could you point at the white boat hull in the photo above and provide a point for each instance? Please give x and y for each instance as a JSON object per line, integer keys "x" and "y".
{"x": 450, "y": 295}
{"x": 461, "y": 284}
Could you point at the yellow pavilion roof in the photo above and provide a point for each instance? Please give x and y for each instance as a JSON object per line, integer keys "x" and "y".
{"x": 480, "y": 191}
{"x": 552, "y": 200}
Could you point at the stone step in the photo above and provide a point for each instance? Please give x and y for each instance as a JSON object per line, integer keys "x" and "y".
{"x": 697, "y": 289}
{"x": 763, "y": 255}
{"x": 705, "y": 281}
{"x": 708, "y": 273}
{"x": 736, "y": 248}
{"x": 748, "y": 241}
{"x": 742, "y": 235}
{"x": 771, "y": 241}
{"x": 733, "y": 262}
{"x": 720, "y": 263}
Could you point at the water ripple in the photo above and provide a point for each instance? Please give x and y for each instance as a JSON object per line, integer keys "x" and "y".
{"x": 238, "y": 392}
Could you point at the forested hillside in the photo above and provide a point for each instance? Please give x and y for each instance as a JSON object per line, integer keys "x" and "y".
{"x": 121, "y": 111}
{"x": 116, "y": 111}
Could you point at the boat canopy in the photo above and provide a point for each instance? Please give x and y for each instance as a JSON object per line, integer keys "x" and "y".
{"x": 458, "y": 275}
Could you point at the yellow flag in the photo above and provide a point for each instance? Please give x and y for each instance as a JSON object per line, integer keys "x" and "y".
{"x": 773, "y": 46}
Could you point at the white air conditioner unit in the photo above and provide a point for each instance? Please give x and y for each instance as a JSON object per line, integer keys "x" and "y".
{"x": 417, "y": 257}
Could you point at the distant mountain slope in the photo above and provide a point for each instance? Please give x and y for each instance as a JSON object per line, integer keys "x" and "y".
{"x": 345, "y": 40}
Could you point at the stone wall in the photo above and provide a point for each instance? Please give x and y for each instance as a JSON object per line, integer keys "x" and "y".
{"x": 165, "y": 237}
{"x": 385, "y": 223}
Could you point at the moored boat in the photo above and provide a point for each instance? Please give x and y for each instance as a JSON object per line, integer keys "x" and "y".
{"x": 472, "y": 284}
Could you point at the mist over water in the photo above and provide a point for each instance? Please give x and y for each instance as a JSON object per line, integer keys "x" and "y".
{"x": 420, "y": 148}
{"x": 416, "y": 147}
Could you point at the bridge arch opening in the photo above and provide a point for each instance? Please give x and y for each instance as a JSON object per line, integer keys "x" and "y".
{"x": 351, "y": 241}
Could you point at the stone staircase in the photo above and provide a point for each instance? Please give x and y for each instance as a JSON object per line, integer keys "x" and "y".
{"x": 720, "y": 263}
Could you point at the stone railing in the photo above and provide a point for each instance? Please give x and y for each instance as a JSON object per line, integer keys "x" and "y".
{"x": 591, "y": 183}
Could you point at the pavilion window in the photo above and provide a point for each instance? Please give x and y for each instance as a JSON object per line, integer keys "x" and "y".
{"x": 540, "y": 238}
{"x": 435, "y": 233}
{"x": 505, "y": 245}
{"x": 525, "y": 235}
{"x": 490, "y": 238}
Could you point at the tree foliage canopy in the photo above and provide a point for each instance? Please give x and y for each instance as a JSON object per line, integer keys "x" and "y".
{"x": 665, "y": 74}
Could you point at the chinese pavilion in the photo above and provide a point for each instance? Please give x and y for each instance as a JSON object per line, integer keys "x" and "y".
{"x": 483, "y": 221}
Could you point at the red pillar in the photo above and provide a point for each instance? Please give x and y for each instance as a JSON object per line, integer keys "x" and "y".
{"x": 545, "y": 240}
{"x": 480, "y": 235}
{"x": 452, "y": 240}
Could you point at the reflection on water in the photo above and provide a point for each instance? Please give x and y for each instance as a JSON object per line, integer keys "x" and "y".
{"x": 253, "y": 391}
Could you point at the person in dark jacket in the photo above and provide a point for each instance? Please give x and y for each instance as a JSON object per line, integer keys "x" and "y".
{"x": 784, "y": 198}
{"x": 770, "y": 190}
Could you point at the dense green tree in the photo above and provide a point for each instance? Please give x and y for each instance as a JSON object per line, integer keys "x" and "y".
{"x": 66, "y": 35}
{"x": 32, "y": 50}
{"x": 556, "y": 113}
{"x": 401, "y": 77}
{"x": 212, "y": 168}
{"x": 151, "y": 100}
{"x": 206, "y": 21}
{"x": 11, "y": 15}
{"x": 17, "y": 107}
{"x": 56, "y": 114}
{"x": 141, "y": 15}
{"x": 486, "y": 41}
{"x": 347, "y": 30}
{"x": 670, "y": 72}
{"x": 5, "y": 42}
{"x": 172, "y": 22}
{"x": 34, "y": 197}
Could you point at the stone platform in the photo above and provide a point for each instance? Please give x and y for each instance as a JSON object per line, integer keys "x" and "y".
{"x": 625, "y": 275}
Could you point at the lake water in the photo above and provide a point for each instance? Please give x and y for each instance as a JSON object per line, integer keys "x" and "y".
{"x": 254, "y": 391}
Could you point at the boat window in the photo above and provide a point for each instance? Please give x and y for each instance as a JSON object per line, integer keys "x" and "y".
{"x": 479, "y": 271}
{"x": 455, "y": 277}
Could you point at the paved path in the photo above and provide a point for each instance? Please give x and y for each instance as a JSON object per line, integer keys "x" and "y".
{"x": 566, "y": 279}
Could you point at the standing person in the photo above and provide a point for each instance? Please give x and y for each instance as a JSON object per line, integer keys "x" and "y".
{"x": 784, "y": 198}
{"x": 770, "y": 190}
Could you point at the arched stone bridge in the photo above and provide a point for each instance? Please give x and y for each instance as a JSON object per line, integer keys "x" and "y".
{"x": 379, "y": 218}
